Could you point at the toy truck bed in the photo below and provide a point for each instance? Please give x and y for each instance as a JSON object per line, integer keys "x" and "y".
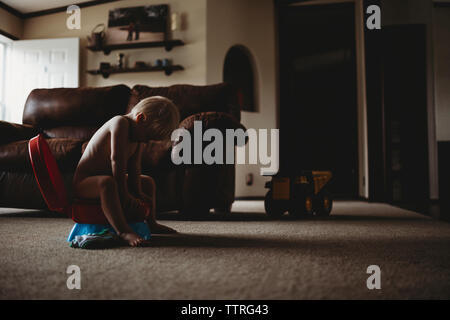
{"x": 301, "y": 195}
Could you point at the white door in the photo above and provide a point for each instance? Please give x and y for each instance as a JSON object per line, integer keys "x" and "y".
{"x": 42, "y": 63}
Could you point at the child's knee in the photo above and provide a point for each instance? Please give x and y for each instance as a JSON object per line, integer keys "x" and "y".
{"x": 106, "y": 182}
{"x": 152, "y": 183}
{"x": 148, "y": 185}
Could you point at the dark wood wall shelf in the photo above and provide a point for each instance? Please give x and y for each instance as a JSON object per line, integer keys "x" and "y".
{"x": 168, "y": 45}
{"x": 106, "y": 72}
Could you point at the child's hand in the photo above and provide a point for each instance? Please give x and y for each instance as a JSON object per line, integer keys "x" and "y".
{"x": 134, "y": 207}
{"x": 132, "y": 203}
{"x": 143, "y": 197}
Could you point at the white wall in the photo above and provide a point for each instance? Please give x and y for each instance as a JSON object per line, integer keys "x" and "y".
{"x": 192, "y": 56}
{"x": 250, "y": 23}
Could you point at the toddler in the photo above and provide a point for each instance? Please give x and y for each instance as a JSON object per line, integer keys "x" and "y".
{"x": 110, "y": 167}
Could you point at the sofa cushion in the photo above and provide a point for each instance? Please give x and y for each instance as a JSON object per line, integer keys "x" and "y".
{"x": 191, "y": 99}
{"x": 218, "y": 120}
{"x": 87, "y": 106}
{"x": 81, "y": 133}
{"x": 20, "y": 190}
{"x": 14, "y": 156}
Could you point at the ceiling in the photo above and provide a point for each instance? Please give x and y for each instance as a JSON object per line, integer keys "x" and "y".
{"x": 27, "y": 6}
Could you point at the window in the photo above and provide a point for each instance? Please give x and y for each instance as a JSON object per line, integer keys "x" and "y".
{"x": 4, "y": 47}
{"x": 2, "y": 77}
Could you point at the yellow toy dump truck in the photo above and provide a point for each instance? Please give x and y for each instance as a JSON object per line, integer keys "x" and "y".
{"x": 301, "y": 195}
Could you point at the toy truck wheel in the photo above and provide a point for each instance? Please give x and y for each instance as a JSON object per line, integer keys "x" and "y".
{"x": 273, "y": 207}
{"x": 323, "y": 204}
{"x": 303, "y": 207}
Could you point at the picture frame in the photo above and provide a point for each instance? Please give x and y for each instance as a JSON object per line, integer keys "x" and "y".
{"x": 137, "y": 24}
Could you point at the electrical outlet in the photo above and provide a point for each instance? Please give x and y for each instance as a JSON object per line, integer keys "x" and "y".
{"x": 249, "y": 179}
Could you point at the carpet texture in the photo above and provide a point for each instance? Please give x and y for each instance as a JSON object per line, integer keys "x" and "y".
{"x": 243, "y": 255}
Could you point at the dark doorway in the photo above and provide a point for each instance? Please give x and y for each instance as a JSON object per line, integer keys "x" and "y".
{"x": 318, "y": 95}
{"x": 397, "y": 113}
{"x": 405, "y": 109}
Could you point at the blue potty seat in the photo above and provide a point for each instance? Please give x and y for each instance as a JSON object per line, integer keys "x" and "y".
{"x": 141, "y": 228}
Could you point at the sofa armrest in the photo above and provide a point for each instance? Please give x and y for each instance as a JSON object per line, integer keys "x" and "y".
{"x": 156, "y": 155}
{"x": 219, "y": 120}
{"x": 10, "y": 132}
{"x": 209, "y": 186}
{"x": 216, "y": 120}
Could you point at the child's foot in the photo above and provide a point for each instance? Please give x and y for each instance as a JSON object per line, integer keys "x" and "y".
{"x": 132, "y": 239}
{"x": 157, "y": 228}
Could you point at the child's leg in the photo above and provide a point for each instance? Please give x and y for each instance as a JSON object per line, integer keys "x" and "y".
{"x": 105, "y": 188}
{"x": 149, "y": 188}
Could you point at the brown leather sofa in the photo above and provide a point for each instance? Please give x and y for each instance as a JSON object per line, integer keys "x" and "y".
{"x": 69, "y": 117}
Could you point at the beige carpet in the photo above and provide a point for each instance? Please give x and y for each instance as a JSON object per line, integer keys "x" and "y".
{"x": 240, "y": 256}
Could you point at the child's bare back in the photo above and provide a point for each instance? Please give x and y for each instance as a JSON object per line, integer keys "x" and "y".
{"x": 96, "y": 159}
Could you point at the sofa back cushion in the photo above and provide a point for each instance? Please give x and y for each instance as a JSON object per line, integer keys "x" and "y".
{"x": 191, "y": 99}
{"x": 76, "y": 112}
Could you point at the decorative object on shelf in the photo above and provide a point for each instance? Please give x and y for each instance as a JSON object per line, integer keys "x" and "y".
{"x": 174, "y": 22}
{"x": 137, "y": 24}
{"x": 178, "y": 25}
{"x": 105, "y": 72}
{"x": 140, "y": 64}
{"x": 158, "y": 63}
{"x": 120, "y": 60}
{"x": 97, "y": 36}
{"x": 166, "y": 62}
{"x": 105, "y": 65}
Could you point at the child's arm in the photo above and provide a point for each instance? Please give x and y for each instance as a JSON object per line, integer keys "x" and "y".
{"x": 134, "y": 172}
{"x": 119, "y": 143}
{"x": 134, "y": 175}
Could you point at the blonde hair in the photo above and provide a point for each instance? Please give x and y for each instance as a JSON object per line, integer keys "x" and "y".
{"x": 162, "y": 114}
